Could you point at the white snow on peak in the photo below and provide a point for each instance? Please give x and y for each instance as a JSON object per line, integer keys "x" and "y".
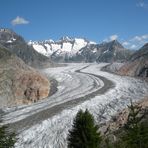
{"x": 91, "y": 42}
{"x": 50, "y": 41}
{"x": 11, "y": 40}
{"x": 105, "y": 51}
{"x": 79, "y": 43}
{"x": 30, "y": 42}
{"x": 94, "y": 50}
{"x": 55, "y": 46}
{"x": 40, "y": 49}
{"x": 65, "y": 45}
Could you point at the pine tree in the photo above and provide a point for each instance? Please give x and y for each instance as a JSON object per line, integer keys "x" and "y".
{"x": 136, "y": 132}
{"x": 84, "y": 133}
{"x": 7, "y": 140}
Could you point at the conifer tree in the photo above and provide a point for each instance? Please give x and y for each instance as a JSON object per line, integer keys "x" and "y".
{"x": 136, "y": 131}
{"x": 7, "y": 140}
{"x": 84, "y": 132}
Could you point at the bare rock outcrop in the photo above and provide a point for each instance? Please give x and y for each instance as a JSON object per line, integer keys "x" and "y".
{"x": 119, "y": 120}
{"x": 137, "y": 65}
{"x": 19, "y": 83}
{"x": 30, "y": 87}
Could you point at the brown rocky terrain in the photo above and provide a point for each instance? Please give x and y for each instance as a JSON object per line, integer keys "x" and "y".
{"x": 137, "y": 65}
{"x": 119, "y": 120}
{"x": 19, "y": 83}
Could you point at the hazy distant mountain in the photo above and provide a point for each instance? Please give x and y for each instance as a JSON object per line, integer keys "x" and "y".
{"x": 19, "y": 83}
{"x": 106, "y": 52}
{"x": 81, "y": 50}
{"x": 113, "y": 51}
{"x": 137, "y": 64}
{"x": 16, "y": 44}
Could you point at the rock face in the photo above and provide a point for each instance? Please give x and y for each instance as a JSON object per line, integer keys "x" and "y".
{"x": 113, "y": 52}
{"x": 17, "y": 45}
{"x": 81, "y": 50}
{"x": 19, "y": 83}
{"x": 119, "y": 120}
{"x": 137, "y": 64}
{"x": 30, "y": 87}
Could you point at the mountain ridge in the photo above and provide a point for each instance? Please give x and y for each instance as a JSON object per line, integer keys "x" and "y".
{"x": 137, "y": 64}
{"x": 16, "y": 44}
{"x": 81, "y": 50}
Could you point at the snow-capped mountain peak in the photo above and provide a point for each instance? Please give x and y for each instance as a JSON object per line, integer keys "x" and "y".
{"x": 66, "y": 45}
{"x": 68, "y": 49}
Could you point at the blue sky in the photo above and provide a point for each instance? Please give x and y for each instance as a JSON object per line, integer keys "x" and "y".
{"x": 96, "y": 20}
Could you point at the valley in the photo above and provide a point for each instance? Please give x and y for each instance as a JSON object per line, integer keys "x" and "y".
{"x": 73, "y": 74}
{"x": 46, "y": 122}
{"x": 41, "y": 92}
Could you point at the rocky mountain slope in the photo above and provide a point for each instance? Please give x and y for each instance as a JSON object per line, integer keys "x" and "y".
{"x": 107, "y": 52}
{"x": 19, "y": 83}
{"x": 16, "y": 44}
{"x": 81, "y": 50}
{"x": 137, "y": 64}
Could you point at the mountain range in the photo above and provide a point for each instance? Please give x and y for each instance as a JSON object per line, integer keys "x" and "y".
{"x": 43, "y": 53}
{"x": 81, "y": 50}
{"x": 20, "y": 83}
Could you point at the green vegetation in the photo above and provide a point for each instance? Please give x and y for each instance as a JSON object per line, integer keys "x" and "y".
{"x": 84, "y": 133}
{"x": 7, "y": 140}
{"x": 136, "y": 130}
{"x": 134, "y": 134}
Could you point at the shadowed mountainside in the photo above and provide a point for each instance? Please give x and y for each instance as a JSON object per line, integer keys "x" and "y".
{"x": 17, "y": 45}
{"x": 137, "y": 64}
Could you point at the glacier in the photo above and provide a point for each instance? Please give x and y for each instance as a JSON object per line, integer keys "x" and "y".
{"x": 51, "y": 131}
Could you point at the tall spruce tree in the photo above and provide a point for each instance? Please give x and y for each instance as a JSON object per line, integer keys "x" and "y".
{"x": 136, "y": 131}
{"x": 84, "y": 132}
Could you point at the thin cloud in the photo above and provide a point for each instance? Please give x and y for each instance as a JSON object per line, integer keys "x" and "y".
{"x": 133, "y": 43}
{"x": 136, "y": 38}
{"x": 133, "y": 46}
{"x": 19, "y": 21}
{"x": 136, "y": 42}
{"x": 140, "y": 38}
{"x": 142, "y": 4}
{"x": 145, "y": 36}
{"x": 111, "y": 38}
{"x": 125, "y": 43}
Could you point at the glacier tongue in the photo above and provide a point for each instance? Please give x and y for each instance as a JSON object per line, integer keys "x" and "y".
{"x": 52, "y": 132}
